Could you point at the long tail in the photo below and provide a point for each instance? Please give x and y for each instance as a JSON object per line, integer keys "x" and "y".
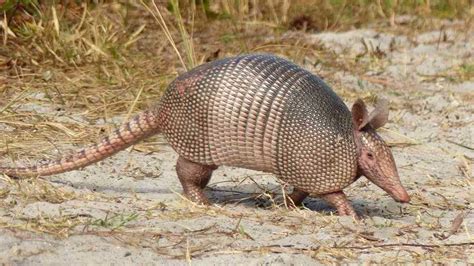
{"x": 140, "y": 127}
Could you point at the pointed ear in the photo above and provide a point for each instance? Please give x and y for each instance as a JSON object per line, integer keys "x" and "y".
{"x": 379, "y": 116}
{"x": 360, "y": 116}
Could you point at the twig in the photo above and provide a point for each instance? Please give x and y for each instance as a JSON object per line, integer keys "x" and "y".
{"x": 410, "y": 245}
{"x": 460, "y": 144}
{"x": 292, "y": 247}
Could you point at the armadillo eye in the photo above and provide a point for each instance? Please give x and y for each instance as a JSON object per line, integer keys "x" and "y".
{"x": 370, "y": 155}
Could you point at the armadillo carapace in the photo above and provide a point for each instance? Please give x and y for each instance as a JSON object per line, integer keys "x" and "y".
{"x": 259, "y": 112}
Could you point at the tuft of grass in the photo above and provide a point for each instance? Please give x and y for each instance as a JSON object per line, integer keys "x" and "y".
{"x": 11, "y": 6}
{"x": 60, "y": 227}
{"x": 466, "y": 71}
{"x": 186, "y": 38}
{"x": 40, "y": 190}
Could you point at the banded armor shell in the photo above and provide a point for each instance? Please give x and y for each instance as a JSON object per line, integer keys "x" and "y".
{"x": 264, "y": 113}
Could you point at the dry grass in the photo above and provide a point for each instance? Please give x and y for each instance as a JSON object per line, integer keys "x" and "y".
{"x": 72, "y": 73}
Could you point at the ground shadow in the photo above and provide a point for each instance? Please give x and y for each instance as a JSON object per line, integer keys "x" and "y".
{"x": 250, "y": 196}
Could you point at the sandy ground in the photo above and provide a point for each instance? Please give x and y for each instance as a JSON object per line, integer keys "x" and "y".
{"x": 128, "y": 209}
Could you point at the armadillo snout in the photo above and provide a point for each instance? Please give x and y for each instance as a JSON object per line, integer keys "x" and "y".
{"x": 401, "y": 195}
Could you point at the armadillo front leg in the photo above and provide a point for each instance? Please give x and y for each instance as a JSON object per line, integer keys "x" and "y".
{"x": 194, "y": 177}
{"x": 339, "y": 201}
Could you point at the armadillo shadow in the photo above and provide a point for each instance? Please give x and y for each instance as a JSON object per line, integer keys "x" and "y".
{"x": 248, "y": 195}
{"x": 251, "y": 196}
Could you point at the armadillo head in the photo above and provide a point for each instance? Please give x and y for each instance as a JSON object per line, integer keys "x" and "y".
{"x": 375, "y": 160}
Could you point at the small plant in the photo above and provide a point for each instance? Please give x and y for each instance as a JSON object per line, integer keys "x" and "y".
{"x": 467, "y": 71}
{"x": 115, "y": 221}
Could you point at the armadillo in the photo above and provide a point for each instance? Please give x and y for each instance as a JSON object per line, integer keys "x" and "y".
{"x": 259, "y": 112}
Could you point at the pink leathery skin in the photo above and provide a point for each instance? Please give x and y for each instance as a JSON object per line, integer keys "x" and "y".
{"x": 377, "y": 164}
{"x": 374, "y": 157}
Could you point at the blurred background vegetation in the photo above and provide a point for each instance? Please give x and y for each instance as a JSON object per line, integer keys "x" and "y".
{"x": 78, "y": 31}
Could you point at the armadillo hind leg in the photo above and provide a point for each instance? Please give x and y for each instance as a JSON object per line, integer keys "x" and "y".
{"x": 296, "y": 198}
{"x": 339, "y": 201}
{"x": 194, "y": 177}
